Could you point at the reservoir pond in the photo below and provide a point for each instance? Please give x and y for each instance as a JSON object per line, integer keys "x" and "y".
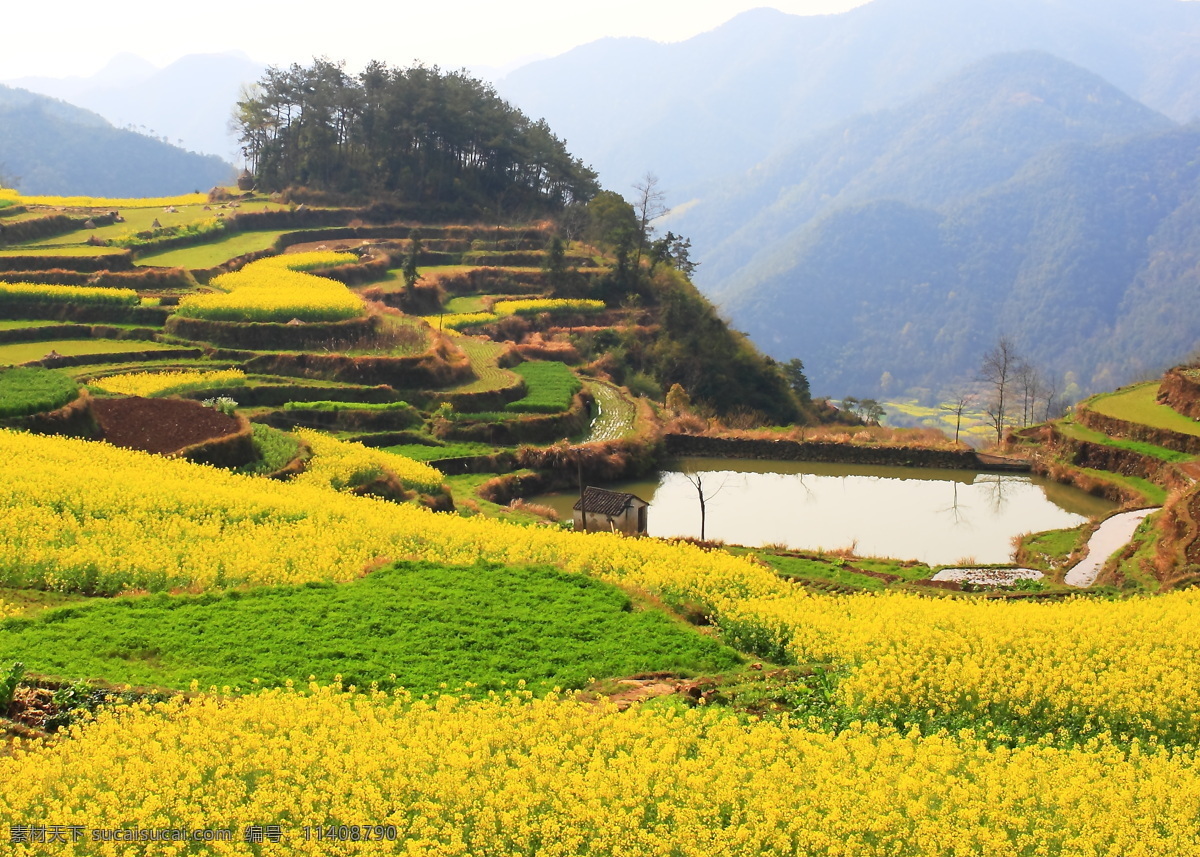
{"x": 935, "y": 516}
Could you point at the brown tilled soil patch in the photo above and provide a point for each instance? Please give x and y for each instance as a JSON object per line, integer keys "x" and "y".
{"x": 640, "y": 688}
{"x": 159, "y": 425}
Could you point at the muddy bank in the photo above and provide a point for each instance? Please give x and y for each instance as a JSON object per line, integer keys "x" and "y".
{"x": 680, "y": 445}
{"x": 1109, "y": 537}
{"x": 1114, "y": 427}
{"x": 1180, "y": 390}
{"x": 1126, "y": 462}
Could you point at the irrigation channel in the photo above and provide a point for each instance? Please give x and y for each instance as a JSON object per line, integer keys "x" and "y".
{"x": 937, "y": 516}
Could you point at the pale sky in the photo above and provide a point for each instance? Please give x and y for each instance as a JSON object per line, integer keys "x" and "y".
{"x": 78, "y": 37}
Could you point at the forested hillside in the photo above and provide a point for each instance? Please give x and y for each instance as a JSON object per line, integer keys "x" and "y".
{"x": 50, "y": 147}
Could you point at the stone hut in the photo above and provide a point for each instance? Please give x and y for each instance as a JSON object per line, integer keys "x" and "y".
{"x": 601, "y": 510}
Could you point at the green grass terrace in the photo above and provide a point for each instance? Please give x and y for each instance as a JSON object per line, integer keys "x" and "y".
{"x": 1139, "y": 404}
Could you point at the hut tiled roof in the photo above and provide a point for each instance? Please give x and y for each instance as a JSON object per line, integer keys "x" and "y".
{"x": 601, "y": 501}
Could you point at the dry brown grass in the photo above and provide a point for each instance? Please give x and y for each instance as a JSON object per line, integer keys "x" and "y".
{"x": 542, "y": 511}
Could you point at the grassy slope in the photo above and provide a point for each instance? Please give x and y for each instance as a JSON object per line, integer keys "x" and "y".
{"x": 141, "y": 220}
{"x": 421, "y": 452}
{"x": 212, "y": 254}
{"x": 430, "y": 626}
{"x": 551, "y": 386}
{"x": 1139, "y": 405}
{"x": 64, "y": 251}
{"x": 1159, "y": 452}
{"x": 483, "y": 355}
{"x": 23, "y": 352}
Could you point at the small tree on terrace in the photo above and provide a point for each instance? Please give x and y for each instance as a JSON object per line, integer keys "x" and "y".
{"x": 648, "y": 206}
{"x": 411, "y": 260}
{"x": 555, "y": 267}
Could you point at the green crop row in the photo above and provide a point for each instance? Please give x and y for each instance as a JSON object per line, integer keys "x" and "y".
{"x": 551, "y": 388}
{"x": 345, "y": 406}
{"x": 33, "y": 390}
{"x": 416, "y": 624}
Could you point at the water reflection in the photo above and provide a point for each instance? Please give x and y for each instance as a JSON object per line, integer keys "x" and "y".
{"x": 938, "y": 516}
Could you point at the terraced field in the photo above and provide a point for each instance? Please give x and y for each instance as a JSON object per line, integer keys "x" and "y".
{"x": 1139, "y": 405}
{"x": 1162, "y": 453}
{"x": 909, "y": 725}
{"x": 15, "y": 353}
{"x": 483, "y": 354}
{"x": 212, "y": 254}
{"x": 615, "y": 414}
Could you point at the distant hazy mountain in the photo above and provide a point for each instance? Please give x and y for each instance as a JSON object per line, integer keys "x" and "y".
{"x": 962, "y": 136}
{"x": 723, "y": 101}
{"x": 1023, "y": 196}
{"x": 189, "y": 102}
{"x": 51, "y": 147}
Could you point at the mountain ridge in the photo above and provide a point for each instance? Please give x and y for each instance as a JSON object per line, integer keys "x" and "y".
{"x": 49, "y": 147}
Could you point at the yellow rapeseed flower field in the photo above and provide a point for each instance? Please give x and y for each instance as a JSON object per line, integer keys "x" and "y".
{"x": 510, "y": 775}
{"x": 87, "y": 517}
{"x": 341, "y": 464}
{"x": 161, "y": 383}
{"x": 277, "y": 289}
{"x": 10, "y": 292}
{"x": 1087, "y": 664}
{"x": 457, "y": 320}
{"x": 453, "y": 321}
{"x": 536, "y": 305}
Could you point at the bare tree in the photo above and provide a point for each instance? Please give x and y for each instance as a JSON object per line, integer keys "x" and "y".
{"x": 1029, "y": 385}
{"x": 696, "y": 478}
{"x": 648, "y": 207}
{"x": 998, "y": 371}
{"x": 1052, "y": 399}
{"x": 960, "y": 400}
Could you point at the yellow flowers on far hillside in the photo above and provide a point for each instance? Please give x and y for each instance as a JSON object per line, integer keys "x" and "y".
{"x": 103, "y": 202}
{"x": 458, "y": 320}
